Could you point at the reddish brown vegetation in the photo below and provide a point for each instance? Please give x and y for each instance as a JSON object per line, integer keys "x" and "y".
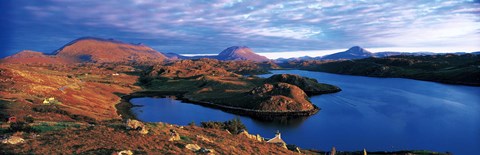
{"x": 204, "y": 66}
{"x": 86, "y": 90}
{"x": 280, "y": 97}
{"x": 105, "y": 139}
{"x": 101, "y": 50}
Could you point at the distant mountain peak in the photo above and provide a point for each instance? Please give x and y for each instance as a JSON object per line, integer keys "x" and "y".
{"x": 240, "y": 53}
{"x": 357, "y": 49}
{"x": 236, "y": 50}
{"x": 88, "y": 38}
{"x": 355, "y": 52}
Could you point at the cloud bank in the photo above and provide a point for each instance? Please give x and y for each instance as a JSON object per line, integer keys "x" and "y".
{"x": 203, "y": 26}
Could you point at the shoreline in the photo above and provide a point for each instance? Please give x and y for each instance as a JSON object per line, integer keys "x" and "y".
{"x": 124, "y": 106}
{"x": 404, "y": 77}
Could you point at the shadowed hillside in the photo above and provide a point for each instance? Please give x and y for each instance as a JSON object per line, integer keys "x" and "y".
{"x": 447, "y": 68}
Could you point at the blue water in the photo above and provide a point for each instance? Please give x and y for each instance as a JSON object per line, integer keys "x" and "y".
{"x": 373, "y": 113}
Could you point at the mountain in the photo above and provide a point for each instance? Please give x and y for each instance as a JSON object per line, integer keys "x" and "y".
{"x": 89, "y": 49}
{"x": 240, "y": 53}
{"x": 355, "y": 52}
{"x": 103, "y": 50}
{"x": 231, "y": 53}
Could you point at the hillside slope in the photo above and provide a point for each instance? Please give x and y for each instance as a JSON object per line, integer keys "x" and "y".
{"x": 448, "y": 68}
{"x": 102, "y": 50}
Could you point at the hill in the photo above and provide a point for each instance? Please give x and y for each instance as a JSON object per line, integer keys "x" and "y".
{"x": 27, "y": 56}
{"x": 89, "y": 49}
{"x": 446, "y": 68}
{"x": 102, "y": 50}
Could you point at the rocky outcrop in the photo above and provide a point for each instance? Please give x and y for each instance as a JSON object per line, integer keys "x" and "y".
{"x": 309, "y": 85}
{"x": 174, "y": 136}
{"x": 193, "y": 147}
{"x": 197, "y": 149}
{"x": 13, "y": 140}
{"x": 293, "y": 148}
{"x": 144, "y": 131}
{"x": 136, "y": 125}
{"x": 253, "y": 137}
{"x": 123, "y": 152}
{"x": 206, "y": 151}
{"x": 202, "y": 138}
{"x": 280, "y": 97}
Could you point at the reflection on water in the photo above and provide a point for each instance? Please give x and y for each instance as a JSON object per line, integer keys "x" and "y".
{"x": 371, "y": 113}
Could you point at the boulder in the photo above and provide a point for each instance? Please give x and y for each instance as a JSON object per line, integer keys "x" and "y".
{"x": 13, "y": 140}
{"x": 124, "y": 152}
{"x": 134, "y": 124}
{"x": 144, "y": 131}
{"x": 206, "y": 151}
{"x": 250, "y": 136}
{"x": 174, "y": 136}
{"x": 204, "y": 139}
{"x": 193, "y": 147}
{"x": 294, "y": 148}
{"x": 259, "y": 138}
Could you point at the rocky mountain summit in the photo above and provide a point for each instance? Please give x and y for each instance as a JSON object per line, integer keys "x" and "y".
{"x": 240, "y": 53}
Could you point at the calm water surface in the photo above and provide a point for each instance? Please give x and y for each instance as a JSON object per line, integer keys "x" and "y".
{"x": 372, "y": 113}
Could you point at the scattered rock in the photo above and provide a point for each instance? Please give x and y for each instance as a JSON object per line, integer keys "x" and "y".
{"x": 134, "y": 124}
{"x": 13, "y": 140}
{"x": 207, "y": 151}
{"x": 137, "y": 125}
{"x": 174, "y": 136}
{"x": 259, "y": 138}
{"x": 204, "y": 138}
{"x": 144, "y": 131}
{"x": 124, "y": 152}
{"x": 193, "y": 147}
{"x": 293, "y": 148}
{"x": 254, "y": 137}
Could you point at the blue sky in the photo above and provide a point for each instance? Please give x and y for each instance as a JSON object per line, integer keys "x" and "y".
{"x": 203, "y": 26}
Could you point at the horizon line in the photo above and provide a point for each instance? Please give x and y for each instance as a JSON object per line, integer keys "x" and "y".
{"x": 317, "y": 53}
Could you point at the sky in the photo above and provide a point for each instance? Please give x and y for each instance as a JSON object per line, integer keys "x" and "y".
{"x": 273, "y": 28}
